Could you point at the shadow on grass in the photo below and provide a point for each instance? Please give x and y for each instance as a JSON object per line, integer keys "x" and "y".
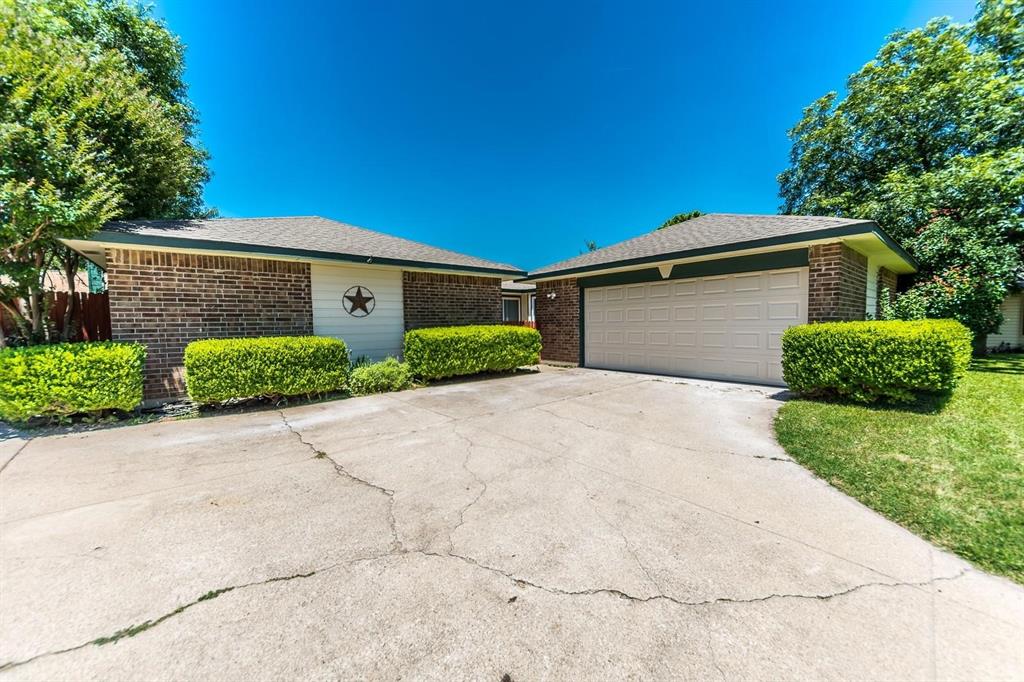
{"x": 999, "y": 363}
{"x": 925, "y": 403}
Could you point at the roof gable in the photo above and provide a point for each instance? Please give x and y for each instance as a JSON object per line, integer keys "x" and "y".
{"x": 713, "y": 232}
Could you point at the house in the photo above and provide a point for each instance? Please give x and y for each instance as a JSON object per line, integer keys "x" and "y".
{"x": 710, "y": 297}
{"x": 1010, "y": 335}
{"x": 517, "y": 302}
{"x": 171, "y": 282}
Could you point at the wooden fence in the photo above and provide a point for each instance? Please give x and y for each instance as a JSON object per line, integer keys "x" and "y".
{"x": 90, "y": 316}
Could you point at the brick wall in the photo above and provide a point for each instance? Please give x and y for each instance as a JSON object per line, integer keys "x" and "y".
{"x": 432, "y": 299}
{"x": 838, "y": 283}
{"x": 558, "y": 320}
{"x": 886, "y": 280}
{"x": 165, "y": 300}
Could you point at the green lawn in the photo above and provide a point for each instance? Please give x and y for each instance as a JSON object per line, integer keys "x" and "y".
{"x": 952, "y": 473}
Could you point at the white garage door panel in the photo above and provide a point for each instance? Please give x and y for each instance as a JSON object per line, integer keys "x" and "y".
{"x": 724, "y": 327}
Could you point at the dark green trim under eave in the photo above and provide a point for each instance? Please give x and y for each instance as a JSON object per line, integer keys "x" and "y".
{"x": 793, "y": 258}
{"x": 866, "y": 227}
{"x": 237, "y": 247}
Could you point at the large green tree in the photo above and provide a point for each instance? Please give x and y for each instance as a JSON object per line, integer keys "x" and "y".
{"x": 929, "y": 142}
{"x": 94, "y": 125}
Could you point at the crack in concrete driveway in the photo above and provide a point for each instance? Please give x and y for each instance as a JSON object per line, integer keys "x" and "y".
{"x": 572, "y": 502}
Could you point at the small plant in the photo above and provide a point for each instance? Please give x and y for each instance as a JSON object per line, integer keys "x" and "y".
{"x": 361, "y": 361}
{"x": 440, "y": 352}
{"x": 380, "y": 377}
{"x": 868, "y": 361}
{"x": 222, "y": 369}
{"x": 70, "y": 378}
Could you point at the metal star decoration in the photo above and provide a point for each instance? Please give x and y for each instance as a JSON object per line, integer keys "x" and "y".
{"x": 359, "y": 301}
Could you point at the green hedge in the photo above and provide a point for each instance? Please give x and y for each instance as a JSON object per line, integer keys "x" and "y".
{"x": 380, "y": 377}
{"x": 867, "y": 361}
{"x": 221, "y": 369}
{"x": 69, "y": 378}
{"x": 441, "y": 352}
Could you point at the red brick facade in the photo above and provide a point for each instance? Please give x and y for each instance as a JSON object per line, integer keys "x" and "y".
{"x": 558, "y": 320}
{"x": 838, "y": 280}
{"x": 432, "y": 299}
{"x": 165, "y": 300}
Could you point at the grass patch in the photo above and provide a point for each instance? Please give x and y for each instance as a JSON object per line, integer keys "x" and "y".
{"x": 951, "y": 470}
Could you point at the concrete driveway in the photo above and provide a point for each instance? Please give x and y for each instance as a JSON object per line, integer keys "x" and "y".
{"x": 565, "y": 524}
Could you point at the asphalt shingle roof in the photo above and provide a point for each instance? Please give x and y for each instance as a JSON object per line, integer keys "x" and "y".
{"x": 705, "y": 232}
{"x": 509, "y": 285}
{"x": 310, "y": 234}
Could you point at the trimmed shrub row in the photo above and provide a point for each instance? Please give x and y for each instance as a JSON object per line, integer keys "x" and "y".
{"x": 69, "y": 378}
{"x": 440, "y": 352}
{"x": 868, "y": 361}
{"x": 89, "y": 377}
{"x": 221, "y": 369}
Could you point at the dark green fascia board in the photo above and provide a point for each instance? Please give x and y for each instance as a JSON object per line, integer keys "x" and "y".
{"x": 209, "y": 244}
{"x": 867, "y": 227}
{"x": 793, "y": 258}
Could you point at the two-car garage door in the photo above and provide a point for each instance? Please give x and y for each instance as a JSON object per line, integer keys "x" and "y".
{"x": 720, "y": 327}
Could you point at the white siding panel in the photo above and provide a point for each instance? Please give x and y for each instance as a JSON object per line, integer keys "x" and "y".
{"x": 871, "y": 296}
{"x": 377, "y": 335}
{"x": 1011, "y": 331}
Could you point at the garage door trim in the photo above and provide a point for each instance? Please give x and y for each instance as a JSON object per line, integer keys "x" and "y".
{"x": 777, "y": 260}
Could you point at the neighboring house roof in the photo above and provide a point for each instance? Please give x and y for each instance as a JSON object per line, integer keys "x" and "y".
{"x": 304, "y": 237}
{"x": 55, "y": 280}
{"x": 717, "y": 233}
{"x": 517, "y": 287}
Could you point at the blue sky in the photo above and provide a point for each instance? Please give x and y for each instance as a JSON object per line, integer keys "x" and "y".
{"x": 515, "y": 131}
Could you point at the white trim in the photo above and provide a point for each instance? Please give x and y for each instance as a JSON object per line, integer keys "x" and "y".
{"x": 519, "y": 308}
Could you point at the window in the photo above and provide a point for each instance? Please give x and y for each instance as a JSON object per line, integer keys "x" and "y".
{"x": 533, "y": 308}
{"x": 510, "y": 310}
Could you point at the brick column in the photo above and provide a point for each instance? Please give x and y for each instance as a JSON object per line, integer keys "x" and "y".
{"x": 432, "y": 299}
{"x": 837, "y": 284}
{"x": 164, "y": 300}
{"x": 558, "y": 320}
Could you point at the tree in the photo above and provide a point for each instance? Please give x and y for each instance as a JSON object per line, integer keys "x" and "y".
{"x": 170, "y": 187}
{"x": 678, "y": 218}
{"x": 929, "y": 142}
{"x": 88, "y": 133}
